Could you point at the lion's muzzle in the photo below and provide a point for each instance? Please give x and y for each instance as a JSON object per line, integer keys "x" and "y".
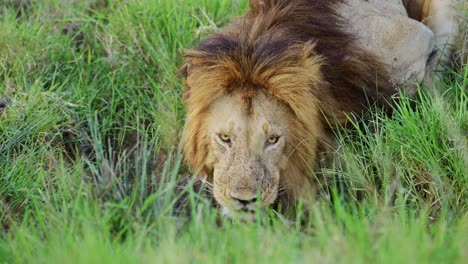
{"x": 245, "y": 198}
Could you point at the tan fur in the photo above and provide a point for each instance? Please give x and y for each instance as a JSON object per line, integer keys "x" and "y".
{"x": 385, "y": 30}
{"x": 440, "y": 17}
{"x": 286, "y": 70}
{"x": 416, "y": 42}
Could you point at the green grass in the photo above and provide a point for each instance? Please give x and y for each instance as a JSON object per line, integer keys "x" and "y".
{"x": 91, "y": 172}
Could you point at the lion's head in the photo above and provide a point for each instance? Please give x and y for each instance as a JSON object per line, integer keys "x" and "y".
{"x": 258, "y": 137}
{"x": 261, "y": 96}
{"x": 250, "y": 146}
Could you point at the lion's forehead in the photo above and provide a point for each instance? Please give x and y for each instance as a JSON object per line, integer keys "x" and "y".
{"x": 264, "y": 115}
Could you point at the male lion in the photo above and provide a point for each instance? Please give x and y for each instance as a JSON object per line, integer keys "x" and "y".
{"x": 263, "y": 94}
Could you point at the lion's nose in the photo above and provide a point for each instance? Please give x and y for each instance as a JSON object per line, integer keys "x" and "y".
{"x": 245, "y": 202}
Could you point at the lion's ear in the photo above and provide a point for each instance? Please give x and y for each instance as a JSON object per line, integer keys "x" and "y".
{"x": 185, "y": 69}
{"x": 192, "y": 58}
{"x": 256, "y": 6}
{"x": 262, "y": 6}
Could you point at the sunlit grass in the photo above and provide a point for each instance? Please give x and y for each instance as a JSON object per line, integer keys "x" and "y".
{"x": 91, "y": 170}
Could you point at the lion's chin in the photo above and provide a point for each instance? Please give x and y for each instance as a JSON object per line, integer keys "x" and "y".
{"x": 239, "y": 215}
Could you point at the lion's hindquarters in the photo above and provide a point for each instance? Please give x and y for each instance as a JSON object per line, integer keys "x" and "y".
{"x": 401, "y": 43}
{"x": 441, "y": 17}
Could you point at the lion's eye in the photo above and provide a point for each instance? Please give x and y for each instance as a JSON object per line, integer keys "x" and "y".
{"x": 273, "y": 139}
{"x": 225, "y": 138}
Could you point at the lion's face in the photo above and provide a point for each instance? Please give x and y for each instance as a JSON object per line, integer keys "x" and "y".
{"x": 247, "y": 150}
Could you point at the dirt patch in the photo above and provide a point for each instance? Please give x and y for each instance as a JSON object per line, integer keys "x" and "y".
{"x": 4, "y": 103}
{"x": 75, "y": 32}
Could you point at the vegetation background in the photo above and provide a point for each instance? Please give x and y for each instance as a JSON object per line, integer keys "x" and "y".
{"x": 91, "y": 172}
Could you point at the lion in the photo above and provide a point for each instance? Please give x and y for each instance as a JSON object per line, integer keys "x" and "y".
{"x": 263, "y": 94}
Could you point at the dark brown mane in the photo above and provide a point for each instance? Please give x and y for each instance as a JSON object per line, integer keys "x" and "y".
{"x": 271, "y": 35}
